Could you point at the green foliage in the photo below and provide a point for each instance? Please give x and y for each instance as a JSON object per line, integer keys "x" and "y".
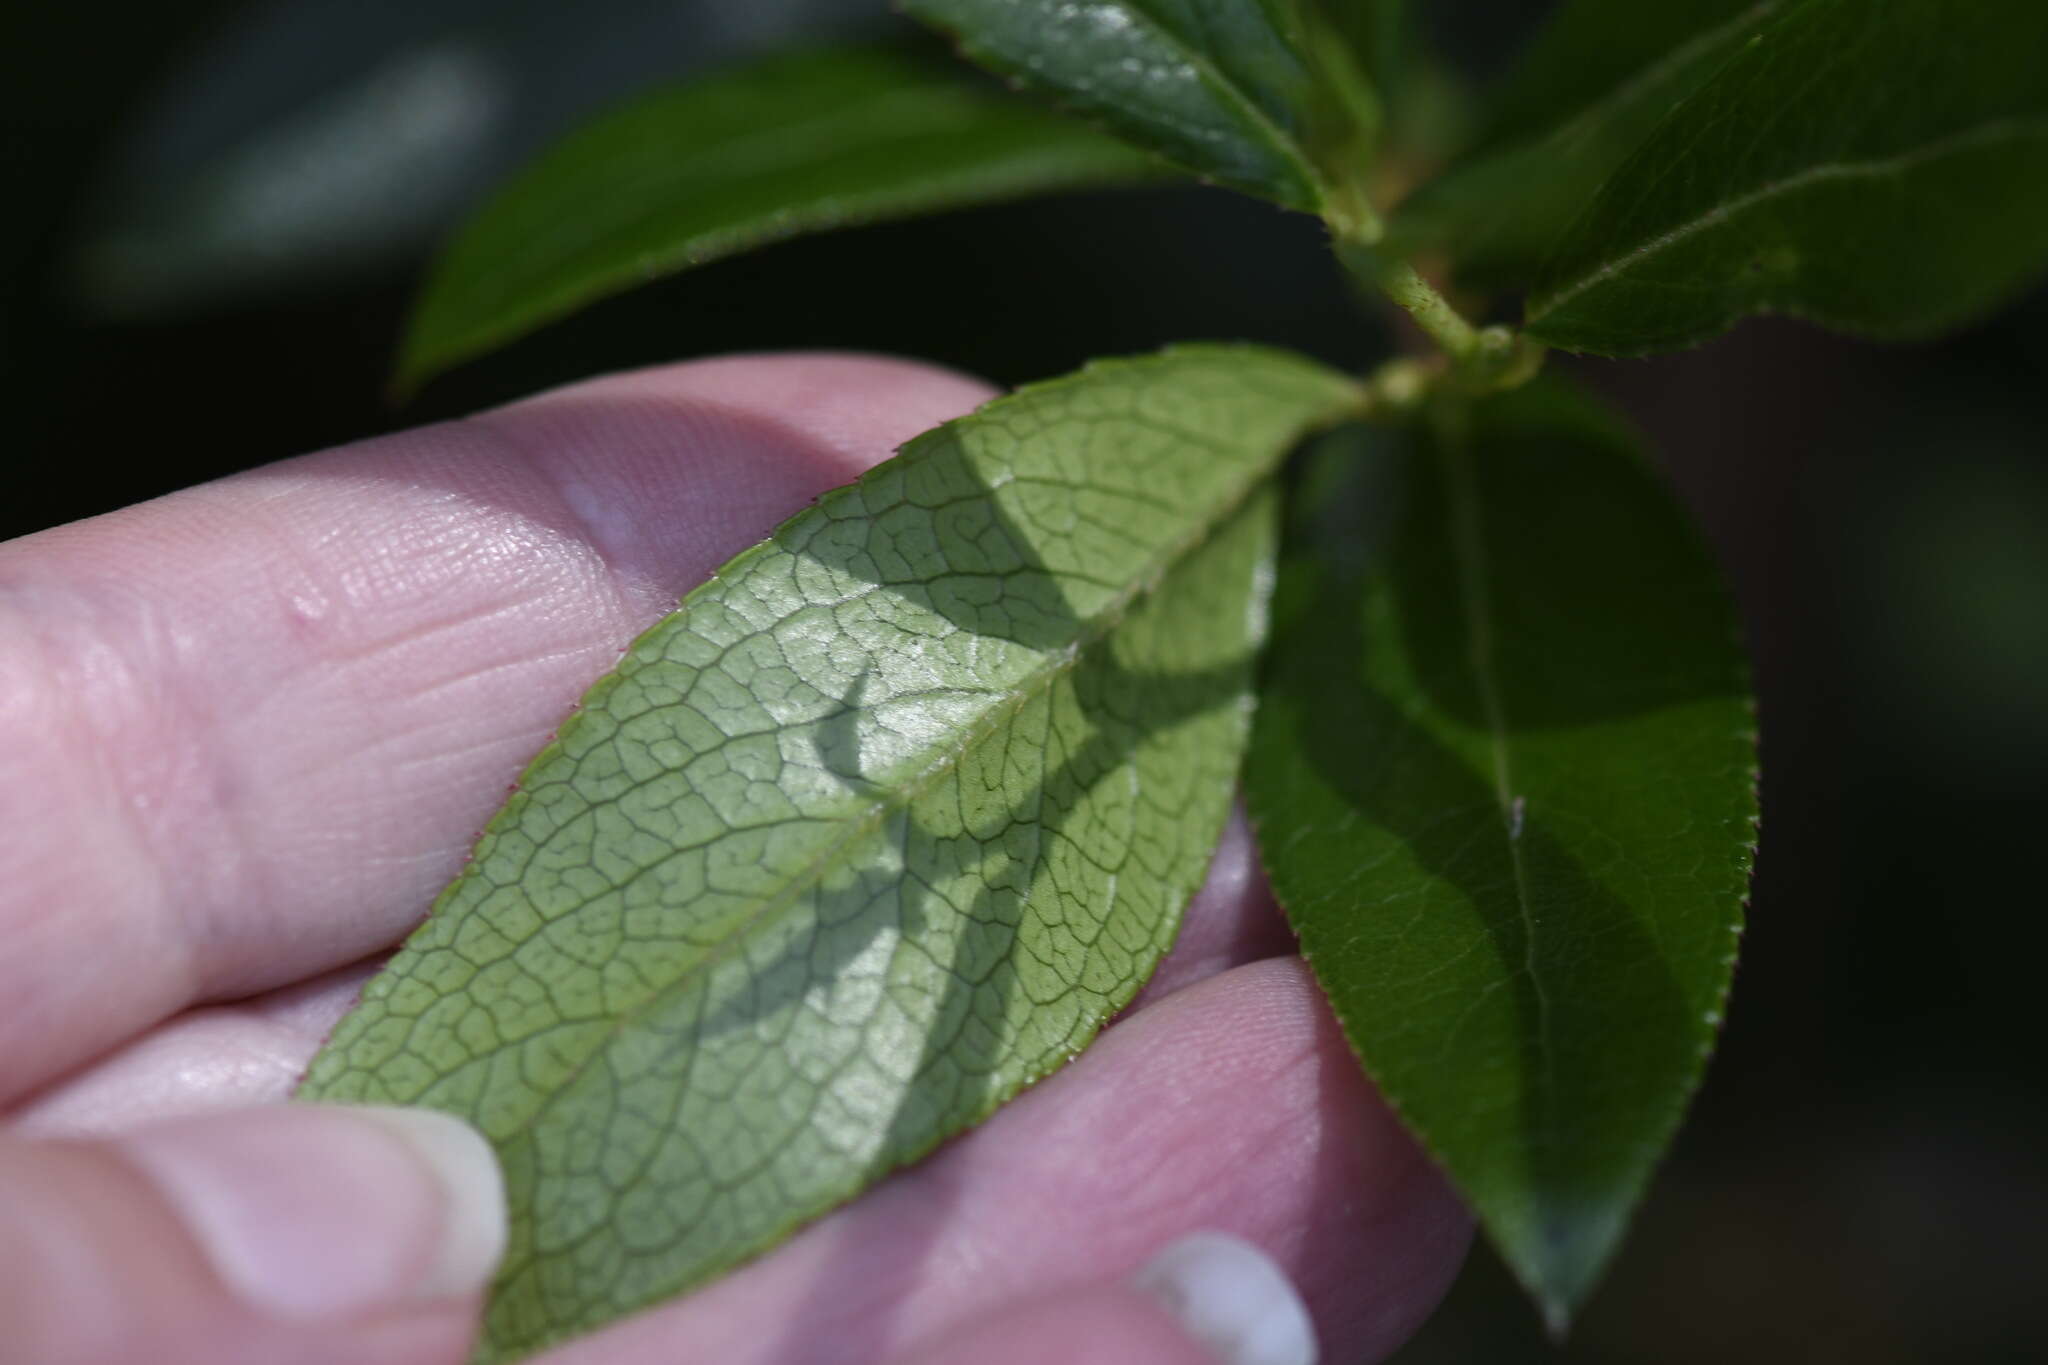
{"x": 823, "y": 873}
{"x": 1502, "y": 781}
{"x": 1880, "y": 166}
{"x": 1376, "y": 32}
{"x": 1229, "y": 89}
{"x": 1599, "y": 81}
{"x": 1592, "y": 51}
{"x": 686, "y": 176}
{"x": 880, "y": 827}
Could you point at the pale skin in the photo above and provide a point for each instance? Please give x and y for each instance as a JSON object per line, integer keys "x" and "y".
{"x": 246, "y": 733}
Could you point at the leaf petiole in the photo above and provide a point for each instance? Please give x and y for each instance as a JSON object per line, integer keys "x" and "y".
{"x": 1484, "y": 359}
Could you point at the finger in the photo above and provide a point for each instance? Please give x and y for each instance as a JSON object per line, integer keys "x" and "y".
{"x": 1232, "y": 1105}
{"x": 296, "y": 1233}
{"x": 203, "y": 1061}
{"x": 254, "y": 1051}
{"x": 1273, "y": 1122}
{"x": 1115, "y": 1325}
{"x": 247, "y": 731}
{"x": 1206, "y": 1299}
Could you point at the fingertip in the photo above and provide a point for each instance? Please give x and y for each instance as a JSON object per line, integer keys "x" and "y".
{"x": 469, "y": 1188}
{"x": 850, "y": 408}
{"x": 1380, "y": 1233}
{"x": 1111, "y": 1324}
{"x": 1204, "y": 1299}
{"x": 670, "y": 470}
{"x": 309, "y": 1233}
{"x": 329, "y": 1212}
{"x": 1233, "y": 1298}
{"x": 1236, "y": 1103}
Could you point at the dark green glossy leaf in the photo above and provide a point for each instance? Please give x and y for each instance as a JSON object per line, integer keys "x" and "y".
{"x": 1424, "y": 108}
{"x": 1502, "y": 780}
{"x": 1880, "y": 166}
{"x": 1601, "y": 78}
{"x": 1591, "y": 52}
{"x": 1377, "y": 32}
{"x": 1249, "y": 93}
{"x": 881, "y": 826}
{"x": 795, "y": 145}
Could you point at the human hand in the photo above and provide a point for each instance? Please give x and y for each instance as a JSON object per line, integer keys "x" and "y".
{"x": 248, "y": 730}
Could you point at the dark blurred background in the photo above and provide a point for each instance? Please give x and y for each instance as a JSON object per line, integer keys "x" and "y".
{"x": 218, "y": 213}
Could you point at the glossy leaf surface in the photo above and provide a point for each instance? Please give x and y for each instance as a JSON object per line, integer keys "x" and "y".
{"x": 1376, "y": 32}
{"x": 1235, "y": 90}
{"x": 1502, "y": 780}
{"x": 1592, "y": 51}
{"x": 1879, "y": 166}
{"x": 1600, "y": 80}
{"x": 880, "y": 827}
{"x": 685, "y": 176}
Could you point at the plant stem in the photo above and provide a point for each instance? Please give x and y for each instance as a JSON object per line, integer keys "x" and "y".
{"x": 1432, "y": 312}
{"x": 1482, "y": 359}
{"x": 1357, "y": 246}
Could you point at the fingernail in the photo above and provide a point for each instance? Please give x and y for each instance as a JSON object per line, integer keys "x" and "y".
{"x": 333, "y": 1211}
{"x": 1233, "y": 1298}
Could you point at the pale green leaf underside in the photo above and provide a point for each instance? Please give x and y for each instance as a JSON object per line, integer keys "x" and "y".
{"x": 1221, "y": 87}
{"x": 880, "y": 827}
{"x": 682, "y": 177}
{"x": 1880, "y": 166}
{"x": 1502, "y": 776}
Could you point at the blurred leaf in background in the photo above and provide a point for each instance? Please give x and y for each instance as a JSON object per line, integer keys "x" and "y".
{"x": 305, "y": 141}
{"x": 797, "y": 143}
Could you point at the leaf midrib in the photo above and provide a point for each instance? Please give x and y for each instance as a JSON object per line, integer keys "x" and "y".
{"x": 861, "y": 825}
{"x": 1281, "y": 139}
{"x": 1577, "y": 124}
{"x": 906, "y": 112}
{"x": 1468, "y": 547}
{"x": 823, "y": 136}
{"x": 2013, "y": 129}
{"x": 1217, "y": 80}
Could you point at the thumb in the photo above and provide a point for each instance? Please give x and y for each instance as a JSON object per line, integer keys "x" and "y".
{"x": 308, "y": 1233}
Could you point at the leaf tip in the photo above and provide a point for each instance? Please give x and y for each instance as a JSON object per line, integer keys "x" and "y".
{"x": 417, "y": 363}
{"x": 1557, "y": 1320}
{"x": 1560, "y": 1258}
